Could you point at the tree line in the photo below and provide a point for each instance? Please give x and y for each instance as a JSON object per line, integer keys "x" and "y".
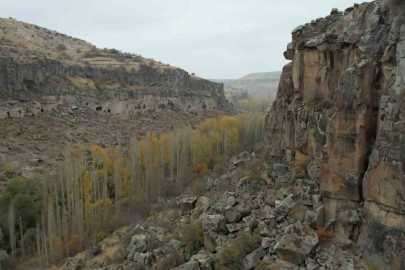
{"x": 58, "y": 213}
{"x": 255, "y": 104}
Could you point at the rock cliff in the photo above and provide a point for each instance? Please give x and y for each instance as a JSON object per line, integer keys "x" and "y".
{"x": 341, "y": 102}
{"x": 42, "y": 70}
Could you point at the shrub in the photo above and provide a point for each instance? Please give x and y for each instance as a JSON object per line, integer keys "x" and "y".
{"x": 152, "y": 243}
{"x": 262, "y": 266}
{"x": 100, "y": 236}
{"x": 198, "y": 187}
{"x": 73, "y": 244}
{"x": 5, "y": 260}
{"x": 65, "y": 56}
{"x": 8, "y": 169}
{"x": 61, "y": 47}
{"x": 372, "y": 266}
{"x": 171, "y": 190}
{"x": 78, "y": 50}
{"x": 170, "y": 261}
{"x": 324, "y": 235}
{"x": 192, "y": 235}
{"x": 86, "y": 62}
{"x": 257, "y": 149}
{"x": 232, "y": 256}
{"x": 301, "y": 163}
{"x": 200, "y": 168}
{"x": 222, "y": 185}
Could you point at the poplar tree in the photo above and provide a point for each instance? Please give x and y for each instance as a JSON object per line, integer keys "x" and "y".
{"x": 11, "y": 226}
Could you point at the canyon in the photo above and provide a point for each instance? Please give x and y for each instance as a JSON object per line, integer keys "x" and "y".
{"x": 323, "y": 188}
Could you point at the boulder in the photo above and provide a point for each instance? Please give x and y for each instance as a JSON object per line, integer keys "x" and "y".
{"x": 283, "y": 265}
{"x": 284, "y": 206}
{"x": 213, "y": 240}
{"x": 74, "y": 264}
{"x": 187, "y": 204}
{"x": 253, "y": 259}
{"x": 316, "y": 217}
{"x": 205, "y": 259}
{"x": 157, "y": 232}
{"x": 234, "y": 227}
{"x": 94, "y": 249}
{"x": 231, "y": 200}
{"x": 202, "y": 202}
{"x": 250, "y": 186}
{"x": 243, "y": 209}
{"x": 250, "y": 221}
{"x": 316, "y": 201}
{"x": 231, "y": 215}
{"x": 171, "y": 247}
{"x": 192, "y": 265}
{"x": 209, "y": 241}
{"x": 143, "y": 259}
{"x": 334, "y": 11}
{"x": 138, "y": 243}
{"x": 215, "y": 223}
{"x": 267, "y": 212}
{"x": 266, "y": 242}
{"x": 316, "y": 41}
{"x": 297, "y": 243}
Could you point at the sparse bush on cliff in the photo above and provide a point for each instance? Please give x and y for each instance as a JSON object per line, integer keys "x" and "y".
{"x": 61, "y": 47}
{"x": 137, "y": 59}
{"x": 301, "y": 163}
{"x": 324, "y": 235}
{"x": 170, "y": 261}
{"x": 198, "y": 187}
{"x": 232, "y": 256}
{"x": 192, "y": 235}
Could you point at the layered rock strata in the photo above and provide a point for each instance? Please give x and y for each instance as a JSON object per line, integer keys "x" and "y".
{"x": 28, "y": 89}
{"x": 341, "y": 102}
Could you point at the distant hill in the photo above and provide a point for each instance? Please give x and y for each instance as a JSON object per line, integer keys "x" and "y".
{"x": 275, "y": 75}
{"x": 261, "y": 84}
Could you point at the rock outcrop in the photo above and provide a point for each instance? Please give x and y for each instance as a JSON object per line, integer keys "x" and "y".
{"x": 341, "y": 102}
{"x": 42, "y": 70}
{"x": 32, "y": 88}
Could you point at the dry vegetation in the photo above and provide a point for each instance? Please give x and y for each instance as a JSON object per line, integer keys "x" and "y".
{"x": 98, "y": 186}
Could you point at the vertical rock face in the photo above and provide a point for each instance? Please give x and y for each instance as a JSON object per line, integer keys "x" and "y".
{"x": 51, "y": 83}
{"x": 341, "y": 101}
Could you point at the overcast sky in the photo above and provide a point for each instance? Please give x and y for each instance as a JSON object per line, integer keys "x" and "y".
{"x": 221, "y": 39}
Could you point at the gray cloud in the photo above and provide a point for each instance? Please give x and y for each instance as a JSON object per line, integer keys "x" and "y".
{"x": 213, "y": 38}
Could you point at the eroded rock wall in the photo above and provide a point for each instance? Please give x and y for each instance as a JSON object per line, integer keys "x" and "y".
{"x": 32, "y": 88}
{"x": 340, "y": 101}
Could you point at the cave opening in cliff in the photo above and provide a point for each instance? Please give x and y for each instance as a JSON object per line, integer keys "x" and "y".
{"x": 144, "y": 106}
{"x": 8, "y": 114}
{"x": 99, "y": 108}
{"x": 19, "y": 111}
{"x": 42, "y": 110}
{"x": 109, "y": 110}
